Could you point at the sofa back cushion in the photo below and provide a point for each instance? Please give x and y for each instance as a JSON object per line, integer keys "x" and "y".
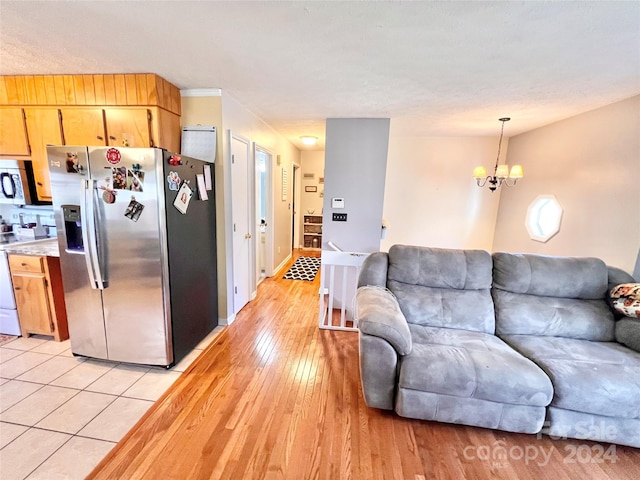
{"x": 551, "y": 296}
{"x": 442, "y": 287}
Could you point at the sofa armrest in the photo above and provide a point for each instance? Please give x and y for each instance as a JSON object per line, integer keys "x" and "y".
{"x": 379, "y": 315}
{"x": 374, "y": 270}
{"x": 378, "y": 371}
{"x": 628, "y": 333}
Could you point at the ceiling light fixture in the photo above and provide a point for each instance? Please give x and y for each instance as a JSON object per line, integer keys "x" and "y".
{"x": 309, "y": 140}
{"x": 501, "y": 174}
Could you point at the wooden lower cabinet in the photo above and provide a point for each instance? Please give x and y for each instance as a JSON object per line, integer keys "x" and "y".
{"x": 37, "y": 286}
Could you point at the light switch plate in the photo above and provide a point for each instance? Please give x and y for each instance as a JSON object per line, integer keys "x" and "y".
{"x": 337, "y": 202}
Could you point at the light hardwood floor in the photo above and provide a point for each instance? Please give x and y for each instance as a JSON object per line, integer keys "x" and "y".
{"x": 275, "y": 397}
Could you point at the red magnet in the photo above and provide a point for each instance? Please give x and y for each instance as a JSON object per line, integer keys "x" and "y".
{"x": 175, "y": 160}
{"x": 113, "y": 156}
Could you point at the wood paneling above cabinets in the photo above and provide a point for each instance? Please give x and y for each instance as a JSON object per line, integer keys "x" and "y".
{"x": 142, "y": 89}
{"x": 121, "y": 110}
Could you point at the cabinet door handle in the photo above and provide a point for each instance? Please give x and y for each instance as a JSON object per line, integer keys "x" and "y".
{"x": 23, "y": 264}
{"x": 112, "y": 137}
{"x": 99, "y": 137}
{"x": 16, "y": 288}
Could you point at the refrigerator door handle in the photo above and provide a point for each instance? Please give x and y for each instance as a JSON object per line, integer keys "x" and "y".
{"x": 89, "y": 233}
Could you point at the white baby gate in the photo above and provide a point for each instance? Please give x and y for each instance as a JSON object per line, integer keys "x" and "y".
{"x": 338, "y": 283}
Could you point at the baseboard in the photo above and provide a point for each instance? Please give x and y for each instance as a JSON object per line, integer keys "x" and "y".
{"x": 282, "y": 265}
{"x": 226, "y": 321}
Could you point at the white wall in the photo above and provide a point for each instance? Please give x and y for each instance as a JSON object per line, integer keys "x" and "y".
{"x": 430, "y": 196}
{"x": 591, "y": 163}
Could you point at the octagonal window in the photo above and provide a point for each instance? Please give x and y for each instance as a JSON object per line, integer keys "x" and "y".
{"x": 543, "y": 218}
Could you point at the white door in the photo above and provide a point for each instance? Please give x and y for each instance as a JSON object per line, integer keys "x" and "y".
{"x": 241, "y": 212}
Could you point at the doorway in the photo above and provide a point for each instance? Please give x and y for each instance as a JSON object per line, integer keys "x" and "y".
{"x": 263, "y": 220}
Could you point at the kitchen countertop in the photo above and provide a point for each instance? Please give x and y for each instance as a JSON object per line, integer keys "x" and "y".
{"x": 46, "y": 247}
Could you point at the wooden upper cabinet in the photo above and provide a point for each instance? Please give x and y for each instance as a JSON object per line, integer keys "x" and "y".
{"x": 128, "y": 127}
{"x": 83, "y": 126}
{"x": 43, "y": 125}
{"x": 166, "y": 129}
{"x": 13, "y": 132}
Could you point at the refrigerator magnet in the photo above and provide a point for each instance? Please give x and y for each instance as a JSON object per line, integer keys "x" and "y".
{"x": 207, "y": 177}
{"x": 134, "y": 180}
{"x": 202, "y": 190}
{"x": 183, "y": 198}
{"x": 174, "y": 180}
{"x": 108, "y": 196}
{"x": 72, "y": 164}
{"x": 119, "y": 178}
{"x": 134, "y": 209}
{"x": 175, "y": 160}
{"x": 113, "y": 156}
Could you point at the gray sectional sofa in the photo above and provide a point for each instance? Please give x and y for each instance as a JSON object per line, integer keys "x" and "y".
{"x": 523, "y": 343}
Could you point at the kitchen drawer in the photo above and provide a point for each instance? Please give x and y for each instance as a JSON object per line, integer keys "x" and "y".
{"x": 26, "y": 263}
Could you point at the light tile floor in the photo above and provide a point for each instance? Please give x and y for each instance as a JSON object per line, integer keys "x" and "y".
{"x": 60, "y": 414}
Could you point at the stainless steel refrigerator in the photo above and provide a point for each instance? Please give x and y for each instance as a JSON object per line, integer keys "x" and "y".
{"x": 136, "y": 231}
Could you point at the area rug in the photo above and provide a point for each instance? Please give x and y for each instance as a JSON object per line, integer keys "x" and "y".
{"x": 304, "y": 268}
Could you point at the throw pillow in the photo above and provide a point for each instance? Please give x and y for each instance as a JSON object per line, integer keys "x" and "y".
{"x": 625, "y": 299}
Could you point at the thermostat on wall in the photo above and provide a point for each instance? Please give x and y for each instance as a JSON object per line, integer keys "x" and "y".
{"x": 337, "y": 203}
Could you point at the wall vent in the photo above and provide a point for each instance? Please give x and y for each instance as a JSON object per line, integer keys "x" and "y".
{"x": 308, "y": 175}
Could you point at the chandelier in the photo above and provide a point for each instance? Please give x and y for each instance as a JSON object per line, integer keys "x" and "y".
{"x": 501, "y": 174}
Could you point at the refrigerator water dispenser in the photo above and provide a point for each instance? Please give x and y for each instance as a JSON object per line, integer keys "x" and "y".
{"x": 73, "y": 227}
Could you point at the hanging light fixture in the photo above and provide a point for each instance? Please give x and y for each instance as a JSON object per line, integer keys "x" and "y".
{"x": 501, "y": 174}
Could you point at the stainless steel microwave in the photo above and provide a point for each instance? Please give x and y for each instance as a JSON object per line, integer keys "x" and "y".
{"x": 17, "y": 183}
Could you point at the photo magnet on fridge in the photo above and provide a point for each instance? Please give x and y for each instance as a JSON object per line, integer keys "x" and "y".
{"x": 134, "y": 209}
{"x": 134, "y": 180}
{"x": 174, "y": 180}
{"x": 119, "y": 178}
{"x": 183, "y": 198}
{"x": 72, "y": 163}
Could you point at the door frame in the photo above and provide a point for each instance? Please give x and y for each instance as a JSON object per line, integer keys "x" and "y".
{"x": 297, "y": 203}
{"x": 269, "y": 234}
{"x": 250, "y": 192}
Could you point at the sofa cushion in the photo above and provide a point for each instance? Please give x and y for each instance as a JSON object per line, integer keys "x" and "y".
{"x": 566, "y": 277}
{"x": 520, "y": 314}
{"x": 628, "y": 333}
{"x": 442, "y": 287}
{"x": 601, "y": 378}
{"x": 551, "y": 296}
{"x": 471, "y": 364}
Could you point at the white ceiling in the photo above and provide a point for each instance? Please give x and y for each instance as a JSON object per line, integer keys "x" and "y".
{"x": 434, "y": 68}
